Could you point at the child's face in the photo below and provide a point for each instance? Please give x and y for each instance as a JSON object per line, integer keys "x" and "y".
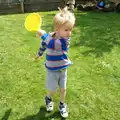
{"x": 65, "y": 30}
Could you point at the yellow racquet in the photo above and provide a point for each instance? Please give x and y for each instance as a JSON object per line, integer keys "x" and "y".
{"x": 33, "y": 22}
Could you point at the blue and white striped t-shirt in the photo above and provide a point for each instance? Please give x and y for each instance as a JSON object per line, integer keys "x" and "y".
{"x": 56, "y": 52}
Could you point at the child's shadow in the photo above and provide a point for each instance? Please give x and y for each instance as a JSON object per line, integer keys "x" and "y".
{"x": 6, "y": 115}
{"x": 43, "y": 115}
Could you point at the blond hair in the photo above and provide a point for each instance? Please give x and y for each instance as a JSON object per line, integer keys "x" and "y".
{"x": 63, "y": 16}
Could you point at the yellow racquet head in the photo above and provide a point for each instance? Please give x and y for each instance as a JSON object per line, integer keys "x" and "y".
{"x": 33, "y": 22}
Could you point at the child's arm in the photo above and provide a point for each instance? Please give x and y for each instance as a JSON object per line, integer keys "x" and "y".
{"x": 41, "y": 50}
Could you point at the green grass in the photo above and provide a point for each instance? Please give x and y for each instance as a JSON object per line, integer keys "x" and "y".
{"x": 93, "y": 86}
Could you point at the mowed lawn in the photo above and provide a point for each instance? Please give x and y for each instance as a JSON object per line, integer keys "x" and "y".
{"x": 93, "y": 86}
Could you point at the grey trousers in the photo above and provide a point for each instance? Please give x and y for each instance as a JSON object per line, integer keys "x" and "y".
{"x": 56, "y": 78}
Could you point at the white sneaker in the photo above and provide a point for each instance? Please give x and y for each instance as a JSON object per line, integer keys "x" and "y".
{"x": 50, "y": 107}
{"x": 49, "y": 104}
{"x": 63, "y": 110}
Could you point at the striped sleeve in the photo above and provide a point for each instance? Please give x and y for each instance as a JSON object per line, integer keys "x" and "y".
{"x": 44, "y": 36}
{"x": 43, "y": 44}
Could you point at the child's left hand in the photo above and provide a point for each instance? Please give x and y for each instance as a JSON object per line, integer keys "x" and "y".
{"x": 37, "y": 57}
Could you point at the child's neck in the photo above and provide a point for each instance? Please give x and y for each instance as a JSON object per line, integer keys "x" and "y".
{"x": 56, "y": 36}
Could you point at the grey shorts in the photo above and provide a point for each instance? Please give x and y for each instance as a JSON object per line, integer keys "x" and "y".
{"x": 55, "y": 78}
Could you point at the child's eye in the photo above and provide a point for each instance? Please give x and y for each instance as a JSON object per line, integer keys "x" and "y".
{"x": 68, "y": 29}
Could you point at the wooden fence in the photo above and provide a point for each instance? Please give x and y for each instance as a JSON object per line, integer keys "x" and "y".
{"x": 14, "y": 6}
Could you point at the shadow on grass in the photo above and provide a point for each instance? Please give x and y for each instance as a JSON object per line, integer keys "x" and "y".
{"x": 7, "y": 114}
{"x": 97, "y": 32}
{"x": 43, "y": 115}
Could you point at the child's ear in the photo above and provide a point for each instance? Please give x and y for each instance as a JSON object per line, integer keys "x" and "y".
{"x": 56, "y": 29}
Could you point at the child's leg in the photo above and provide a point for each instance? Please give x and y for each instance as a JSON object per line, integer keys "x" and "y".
{"x": 51, "y": 84}
{"x": 62, "y": 95}
{"x": 50, "y": 94}
{"x": 62, "y": 83}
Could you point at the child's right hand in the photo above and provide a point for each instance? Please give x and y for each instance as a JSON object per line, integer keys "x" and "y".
{"x": 40, "y": 32}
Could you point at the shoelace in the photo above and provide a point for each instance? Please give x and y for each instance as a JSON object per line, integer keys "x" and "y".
{"x": 50, "y": 104}
{"x": 63, "y": 110}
